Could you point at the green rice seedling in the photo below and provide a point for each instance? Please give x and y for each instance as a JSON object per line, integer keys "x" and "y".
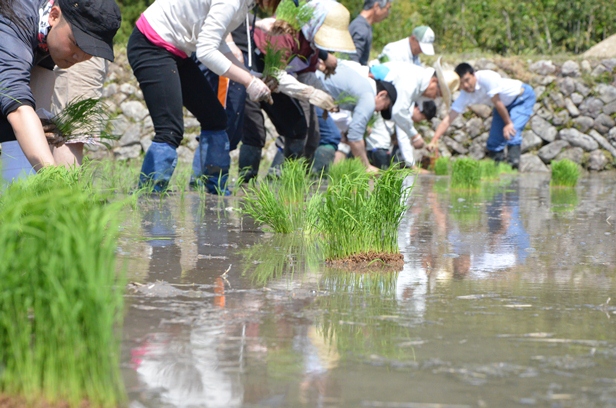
{"x": 61, "y": 298}
{"x": 441, "y": 166}
{"x": 274, "y": 61}
{"x": 505, "y": 168}
{"x": 285, "y": 204}
{"x": 565, "y": 173}
{"x": 345, "y": 99}
{"x": 295, "y": 16}
{"x": 351, "y": 169}
{"x": 84, "y": 117}
{"x": 357, "y": 220}
{"x": 489, "y": 170}
{"x": 465, "y": 174}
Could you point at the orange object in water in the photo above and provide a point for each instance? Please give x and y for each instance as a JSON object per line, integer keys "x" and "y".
{"x": 219, "y": 290}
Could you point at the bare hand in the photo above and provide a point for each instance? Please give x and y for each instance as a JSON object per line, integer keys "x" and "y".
{"x": 509, "y": 131}
{"x": 53, "y": 135}
{"x": 432, "y": 147}
{"x": 372, "y": 170}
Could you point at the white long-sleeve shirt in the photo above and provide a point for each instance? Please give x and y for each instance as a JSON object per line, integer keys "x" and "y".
{"x": 198, "y": 25}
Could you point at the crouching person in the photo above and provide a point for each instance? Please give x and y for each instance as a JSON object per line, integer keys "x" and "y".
{"x": 513, "y": 103}
{"x": 45, "y": 33}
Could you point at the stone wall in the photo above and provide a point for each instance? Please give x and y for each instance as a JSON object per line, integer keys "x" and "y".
{"x": 574, "y": 116}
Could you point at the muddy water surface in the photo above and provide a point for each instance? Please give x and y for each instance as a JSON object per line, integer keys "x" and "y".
{"x": 504, "y": 300}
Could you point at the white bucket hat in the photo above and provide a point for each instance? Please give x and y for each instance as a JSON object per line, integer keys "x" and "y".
{"x": 333, "y": 34}
{"x": 448, "y": 82}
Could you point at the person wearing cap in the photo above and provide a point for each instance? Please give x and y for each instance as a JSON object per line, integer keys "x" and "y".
{"x": 513, "y": 103}
{"x": 379, "y": 141}
{"x": 297, "y": 86}
{"x": 412, "y": 83}
{"x": 159, "y": 50}
{"x": 408, "y": 49}
{"x": 365, "y": 96}
{"x": 44, "y": 33}
{"x": 374, "y": 11}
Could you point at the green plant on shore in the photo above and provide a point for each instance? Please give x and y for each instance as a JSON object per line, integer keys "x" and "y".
{"x": 61, "y": 299}
{"x": 286, "y": 204}
{"x": 465, "y": 174}
{"x": 357, "y": 220}
{"x": 565, "y": 173}
{"x": 84, "y": 117}
{"x": 441, "y": 166}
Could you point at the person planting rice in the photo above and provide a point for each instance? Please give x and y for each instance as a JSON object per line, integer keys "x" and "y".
{"x": 365, "y": 96}
{"x": 159, "y": 50}
{"x": 421, "y": 41}
{"x": 296, "y": 82}
{"x": 513, "y": 103}
{"x": 379, "y": 141}
{"x": 412, "y": 83}
{"x": 44, "y": 33}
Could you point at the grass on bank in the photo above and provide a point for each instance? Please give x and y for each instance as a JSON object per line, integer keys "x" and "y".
{"x": 61, "y": 299}
{"x": 565, "y": 173}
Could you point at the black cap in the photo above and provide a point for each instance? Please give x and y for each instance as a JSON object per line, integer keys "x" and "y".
{"x": 94, "y": 24}
{"x": 391, "y": 92}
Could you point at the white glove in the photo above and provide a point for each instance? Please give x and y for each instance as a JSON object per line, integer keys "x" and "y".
{"x": 322, "y": 99}
{"x": 257, "y": 91}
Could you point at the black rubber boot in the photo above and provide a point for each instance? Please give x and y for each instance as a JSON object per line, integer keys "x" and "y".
{"x": 249, "y": 161}
{"x": 294, "y": 148}
{"x": 496, "y": 156}
{"x": 513, "y": 155}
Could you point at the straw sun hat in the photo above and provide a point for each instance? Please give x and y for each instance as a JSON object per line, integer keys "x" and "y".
{"x": 333, "y": 35}
{"x": 448, "y": 82}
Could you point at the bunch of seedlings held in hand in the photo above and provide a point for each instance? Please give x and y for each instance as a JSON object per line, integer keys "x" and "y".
{"x": 61, "y": 299}
{"x": 83, "y": 118}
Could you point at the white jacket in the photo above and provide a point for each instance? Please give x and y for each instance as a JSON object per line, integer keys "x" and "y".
{"x": 199, "y": 25}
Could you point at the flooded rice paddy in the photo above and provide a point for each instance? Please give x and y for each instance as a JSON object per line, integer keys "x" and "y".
{"x": 503, "y": 300}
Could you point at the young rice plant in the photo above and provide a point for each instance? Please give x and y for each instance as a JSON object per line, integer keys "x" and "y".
{"x": 465, "y": 174}
{"x": 565, "y": 173}
{"x": 441, "y": 166}
{"x": 61, "y": 299}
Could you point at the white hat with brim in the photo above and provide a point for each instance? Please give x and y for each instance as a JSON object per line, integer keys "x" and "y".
{"x": 333, "y": 35}
{"x": 448, "y": 82}
{"x": 427, "y": 48}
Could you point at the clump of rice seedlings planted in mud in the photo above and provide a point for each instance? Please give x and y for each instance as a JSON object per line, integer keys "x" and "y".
{"x": 61, "y": 298}
{"x": 351, "y": 169}
{"x": 84, "y": 117}
{"x": 441, "y": 166}
{"x": 285, "y": 204}
{"x": 291, "y": 18}
{"x": 489, "y": 169}
{"x": 359, "y": 225}
{"x": 565, "y": 173}
{"x": 465, "y": 174}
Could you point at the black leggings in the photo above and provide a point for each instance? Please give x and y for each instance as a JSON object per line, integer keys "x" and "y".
{"x": 169, "y": 82}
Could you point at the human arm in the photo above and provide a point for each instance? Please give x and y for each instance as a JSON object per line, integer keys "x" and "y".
{"x": 441, "y": 129}
{"x": 31, "y": 137}
{"x": 405, "y": 146}
{"x": 237, "y": 53}
{"x": 508, "y": 130}
{"x": 290, "y": 86}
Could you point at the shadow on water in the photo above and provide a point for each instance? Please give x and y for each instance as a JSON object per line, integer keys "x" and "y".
{"x": 503, "y": 300}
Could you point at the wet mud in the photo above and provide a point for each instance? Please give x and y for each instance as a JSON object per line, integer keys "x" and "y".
{"x": 506, "y": 297}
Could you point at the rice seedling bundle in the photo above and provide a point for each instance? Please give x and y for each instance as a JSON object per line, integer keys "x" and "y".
{"x": 441, "y": 166}
{"x": 286, "y": 204}
{"x": 489, "y": 169}
{"x": 565, "y": 173}
{"x": 295, "y": 16}
{"x": 84, "y": 117}
{"x": 61, "y": 299}
{"x": 274, "y": 61}
{"x": 465, "y": 173}
{"x": 357, "y": 220}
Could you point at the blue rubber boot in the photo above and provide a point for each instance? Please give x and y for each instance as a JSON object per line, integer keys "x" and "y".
{"x": 158, "y": 166}
{"x": 196, "y": 168}
{"x": 215, "y": 160}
